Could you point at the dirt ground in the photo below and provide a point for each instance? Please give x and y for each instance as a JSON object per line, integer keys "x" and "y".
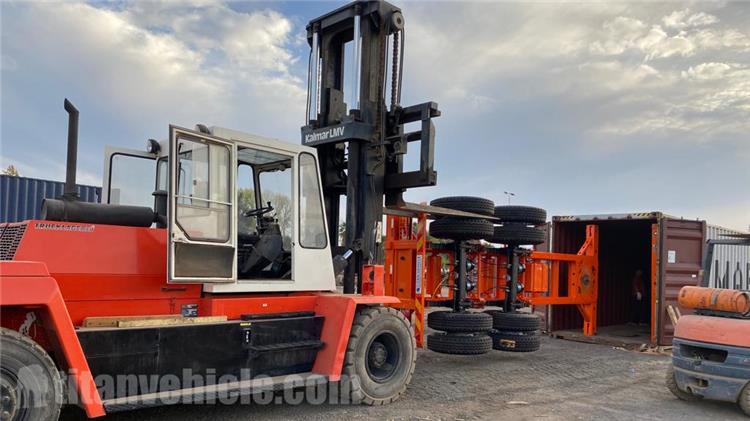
{"x": 565, "y": 380}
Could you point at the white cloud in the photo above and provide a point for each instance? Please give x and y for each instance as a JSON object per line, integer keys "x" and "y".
{"x": 686, "y": 19}
{"x": 707, "y": 71}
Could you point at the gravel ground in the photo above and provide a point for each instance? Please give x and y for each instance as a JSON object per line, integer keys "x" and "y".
{"x": 565, "y": 380}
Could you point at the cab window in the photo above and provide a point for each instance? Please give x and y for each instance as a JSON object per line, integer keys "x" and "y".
{"x": 311, "y": 221}
{"x": 246, "y": 200}
{"x": 203, "y": 190}
{"x": 266, "y": 216}
{"x": 276, "y": 189}
{"x": 131, "y": 180}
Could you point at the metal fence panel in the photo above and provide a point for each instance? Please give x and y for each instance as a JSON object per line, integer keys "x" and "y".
{"x": 731, "y": 264}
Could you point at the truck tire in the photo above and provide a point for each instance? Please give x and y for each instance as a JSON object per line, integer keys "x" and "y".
{"x": 744, "y": 400}
{"x": 466, "y": 204}
{"x": 679, "y": 393}
{"x": 518, "y": 234}
{"x": 380, "y": 357}
{"x": 460, "y": 229}
{"x": 525, "y": 214}
{"x": 466, "y": 322}
{"x": 30, "y": 384}
{"x": 515, "y": 341}
{"x": 516, "y": 322}
{"x": 459, "y": 343}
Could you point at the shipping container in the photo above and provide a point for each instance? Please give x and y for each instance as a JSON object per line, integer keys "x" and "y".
{"x": 730, "y": 266}
{"x": 21, "y": 197}
{"x": 665, "y": 250}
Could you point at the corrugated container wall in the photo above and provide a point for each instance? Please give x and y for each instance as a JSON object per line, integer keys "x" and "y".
{"x": 731, "y": 264}
{"x": 21, "y": 197}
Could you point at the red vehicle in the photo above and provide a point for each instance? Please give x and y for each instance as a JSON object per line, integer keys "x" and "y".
{"x": 212, "y": 260}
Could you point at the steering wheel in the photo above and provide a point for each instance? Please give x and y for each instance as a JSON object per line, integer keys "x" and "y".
{"x": 260, "y": 211}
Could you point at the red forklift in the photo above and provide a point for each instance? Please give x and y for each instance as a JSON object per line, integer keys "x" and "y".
{"x": 215, "y": 253}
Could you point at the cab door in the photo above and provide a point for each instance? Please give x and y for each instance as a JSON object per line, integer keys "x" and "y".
{"x": 202, "y": 226}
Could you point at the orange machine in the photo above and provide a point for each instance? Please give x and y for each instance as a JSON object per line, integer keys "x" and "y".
{"x": 547, "y": 278}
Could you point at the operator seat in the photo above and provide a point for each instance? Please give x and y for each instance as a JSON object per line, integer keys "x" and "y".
{"x": 267, "y": 250}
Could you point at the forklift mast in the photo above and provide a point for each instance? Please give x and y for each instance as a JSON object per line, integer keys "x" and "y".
{"x": 360, "y": 138}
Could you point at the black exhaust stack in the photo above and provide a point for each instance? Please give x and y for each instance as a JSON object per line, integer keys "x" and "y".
{"x": 71, "y": 191}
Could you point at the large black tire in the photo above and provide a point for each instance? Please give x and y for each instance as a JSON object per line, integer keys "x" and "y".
{"x": 381, "y": 355}
{"x": 30, "y": 384}
{"x": 466, "y": 322}
{"x": 460, "y": 229}
{"x": 672, "y": 386}
{"x": 518, "y": 234}
{"x": 744, "y": 400}
{"x": 515, "y": 341}
{"x": 466, "y": 204}
{"x": 459, "y": 343}
{"x": 516, "y": 322}
{"x": 525, "y": 214}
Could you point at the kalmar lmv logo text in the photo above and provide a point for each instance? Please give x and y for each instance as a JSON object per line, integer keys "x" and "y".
{"x": 324, "y": 135}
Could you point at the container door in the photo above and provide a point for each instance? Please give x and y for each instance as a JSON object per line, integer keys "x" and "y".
{"x": 202, "y": 225}
{"x": 654, "y": 281}
{"x": 681, "y": 250}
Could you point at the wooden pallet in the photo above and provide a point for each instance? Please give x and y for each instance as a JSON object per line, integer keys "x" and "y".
{"x": 149, "y": 321}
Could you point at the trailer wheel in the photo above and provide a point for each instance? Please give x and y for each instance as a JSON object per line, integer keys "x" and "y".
{"x": 516, "y": 322}
{"x": 744, "y": 400}
{"x": 516, "y": 233}
{"x": 30, "y": 385}
{"x": 459, "y": 343}
{"x": 380, "y": 357}
{"x": 466, "y": 322}
{"x": 466, "y": 204}
{"x": 459, "y": 229}
{"x": 526, "y": 214}
{"x": 515, "y": 341}
{"x": 679, "y": 393}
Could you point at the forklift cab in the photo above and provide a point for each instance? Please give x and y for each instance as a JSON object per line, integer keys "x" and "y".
{"x": 243, "y": 213}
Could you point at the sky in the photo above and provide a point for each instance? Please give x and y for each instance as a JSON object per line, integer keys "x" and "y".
{"x": 577, "y": 107}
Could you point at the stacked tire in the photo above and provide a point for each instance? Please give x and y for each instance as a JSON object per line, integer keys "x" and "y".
{"x": 515, "y": 332}
{"x": 462, "y": 333}
{"x": 463, "y": 228}
{"x": 519, "y": 225}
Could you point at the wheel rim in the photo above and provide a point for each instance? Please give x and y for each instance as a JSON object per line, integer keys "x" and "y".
{"x": 383, "y": 357}
{"x": 9, "y": 404}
